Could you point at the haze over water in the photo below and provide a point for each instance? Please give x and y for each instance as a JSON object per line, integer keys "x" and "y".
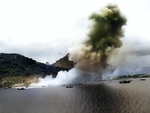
{"x": 104, "y": 97}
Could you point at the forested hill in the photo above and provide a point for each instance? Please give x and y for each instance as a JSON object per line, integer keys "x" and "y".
{"x": 18, "y": 69}
{"x": 18, "y": 65}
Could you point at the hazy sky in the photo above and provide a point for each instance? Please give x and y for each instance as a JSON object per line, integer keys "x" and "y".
{"x": 45, "y": 29}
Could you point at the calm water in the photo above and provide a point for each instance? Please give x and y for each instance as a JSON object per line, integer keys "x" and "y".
{"x": 106, "y": 97}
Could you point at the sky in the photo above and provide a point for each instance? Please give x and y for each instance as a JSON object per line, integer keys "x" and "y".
{"x": 45, "y": 29}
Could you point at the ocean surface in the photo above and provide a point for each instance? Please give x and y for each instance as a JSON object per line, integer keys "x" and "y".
{"x": 100, "y": 97}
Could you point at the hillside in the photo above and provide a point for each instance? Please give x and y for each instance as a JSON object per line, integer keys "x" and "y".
{"x": 15, "y": 64}
{"x": 15, "y": 68}
{"x": 64, "y": 63}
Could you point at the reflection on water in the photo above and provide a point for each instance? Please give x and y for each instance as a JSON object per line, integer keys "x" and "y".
{"x": 107, "y": 97}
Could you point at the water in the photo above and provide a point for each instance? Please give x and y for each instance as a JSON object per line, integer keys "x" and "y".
{"x": 105, "y": 97}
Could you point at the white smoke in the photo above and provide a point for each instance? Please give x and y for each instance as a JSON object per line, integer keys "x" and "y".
{"x": 132, "y": 58}
{"x": 73, "y": 76}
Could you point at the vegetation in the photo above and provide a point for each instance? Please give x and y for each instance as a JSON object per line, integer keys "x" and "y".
{"x": 132, "y": 76}
{"x": 16, "y": 69}
{"x": 14, "y": 80}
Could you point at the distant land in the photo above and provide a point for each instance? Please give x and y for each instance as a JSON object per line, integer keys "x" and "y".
{"x": 18, "y": 69}
{"x": 64, "y": 63}
{"x": 132, "y": 76}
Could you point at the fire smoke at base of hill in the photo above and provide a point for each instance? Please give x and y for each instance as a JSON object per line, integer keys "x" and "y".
{"x": 74, "y": 76}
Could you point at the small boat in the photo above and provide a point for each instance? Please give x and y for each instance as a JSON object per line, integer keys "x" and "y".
{"x": 142, "y": 79}
{"x": 21, "y": 88}
{"x": 124, "y": 81}
{"x": 80, "y": 83}
{"x": 69, "y": 86}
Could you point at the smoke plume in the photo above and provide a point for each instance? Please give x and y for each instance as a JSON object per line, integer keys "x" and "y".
{"x": 103, "y": 37}
{"x": 90, "y": 56}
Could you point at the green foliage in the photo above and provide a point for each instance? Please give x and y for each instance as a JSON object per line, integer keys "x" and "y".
{"x": 9, "y": 81}
{"x": 14, "y": 68}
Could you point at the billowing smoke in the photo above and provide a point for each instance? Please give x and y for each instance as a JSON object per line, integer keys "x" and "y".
{"x": 74, "y": 76}
{"x": 91, "y": 55}
{"x": 103, "y": 37}
{"x": 130, "y": 59}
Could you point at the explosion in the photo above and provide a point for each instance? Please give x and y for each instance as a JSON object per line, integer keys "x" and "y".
{"x": 103, "y": 37}
{"x": 90, "y": 57}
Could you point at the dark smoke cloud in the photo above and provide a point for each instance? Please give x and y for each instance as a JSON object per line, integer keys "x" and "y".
{"x": 107, "y": 29}
{"x": 103, "y": 37}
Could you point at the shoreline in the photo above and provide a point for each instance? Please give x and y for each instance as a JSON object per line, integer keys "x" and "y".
{"x": 95, "y": 82}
